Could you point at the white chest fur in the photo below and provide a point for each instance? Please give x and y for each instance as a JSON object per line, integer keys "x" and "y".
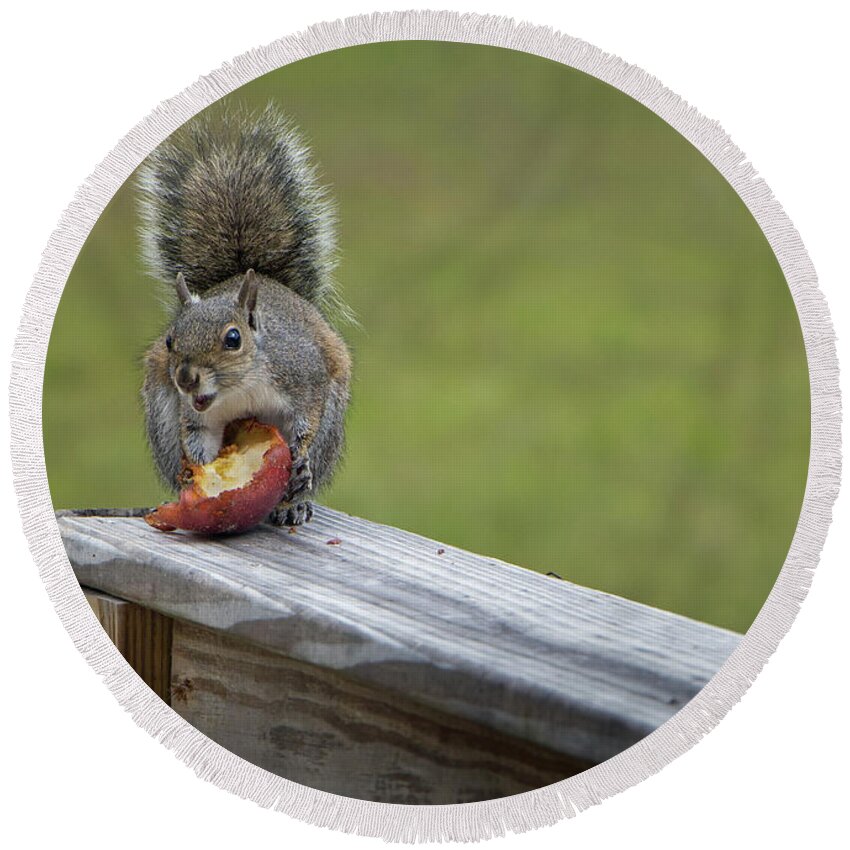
{"x": 256, "y": 399}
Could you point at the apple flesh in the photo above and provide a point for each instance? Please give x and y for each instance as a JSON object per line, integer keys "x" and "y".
{"x": 237, "y": 490}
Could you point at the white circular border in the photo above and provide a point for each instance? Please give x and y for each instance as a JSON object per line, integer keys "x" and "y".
{"x": 467, "y": 821}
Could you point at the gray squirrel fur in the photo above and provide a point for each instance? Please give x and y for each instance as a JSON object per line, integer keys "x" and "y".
{"x": 236, "y": 223}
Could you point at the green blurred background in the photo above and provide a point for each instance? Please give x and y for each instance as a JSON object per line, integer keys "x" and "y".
{"x": 576, "y": 349}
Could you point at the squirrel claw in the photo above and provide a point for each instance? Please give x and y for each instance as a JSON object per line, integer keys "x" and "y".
{"x": 296, "y": 514}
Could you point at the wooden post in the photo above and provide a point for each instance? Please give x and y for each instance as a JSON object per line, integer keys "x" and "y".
{"x": 141, "y": 635}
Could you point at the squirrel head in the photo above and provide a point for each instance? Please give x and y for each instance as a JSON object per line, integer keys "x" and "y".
{"x": 211, "y": 343}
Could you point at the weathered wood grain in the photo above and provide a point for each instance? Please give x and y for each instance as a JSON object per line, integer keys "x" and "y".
{"x": 573, "y": 670}
{"x": 319, "y": 728}
{"x": 141, "y": 635}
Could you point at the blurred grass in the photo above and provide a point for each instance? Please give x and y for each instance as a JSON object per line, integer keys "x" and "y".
{"x": 577, "y": 351}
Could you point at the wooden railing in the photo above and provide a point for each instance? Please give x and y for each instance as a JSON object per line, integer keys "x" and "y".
{"x": 375, "y": 663}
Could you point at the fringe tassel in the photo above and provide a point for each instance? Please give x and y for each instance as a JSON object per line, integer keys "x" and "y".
{"x": 471, "y": 821}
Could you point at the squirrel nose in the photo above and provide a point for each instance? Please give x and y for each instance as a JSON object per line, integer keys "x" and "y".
{"x": 187, "y": 379}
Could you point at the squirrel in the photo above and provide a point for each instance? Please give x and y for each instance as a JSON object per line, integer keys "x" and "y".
{"x": 236, "y": 222}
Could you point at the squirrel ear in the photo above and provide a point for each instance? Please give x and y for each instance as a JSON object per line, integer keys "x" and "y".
{"x": 182, "y": 289}
{"x": 247, "y": 297}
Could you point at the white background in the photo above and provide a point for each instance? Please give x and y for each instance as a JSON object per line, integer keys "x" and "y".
{"x": 77, "y": 77}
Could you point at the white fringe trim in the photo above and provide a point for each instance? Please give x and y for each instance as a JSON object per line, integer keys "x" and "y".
{"x": 471, "y": 821}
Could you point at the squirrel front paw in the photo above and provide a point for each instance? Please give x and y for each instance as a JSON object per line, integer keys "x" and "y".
{"x": 296, "y": 514}
{"x": 200, "y": 446}
{"x": 300, "y": 478}
{"x": 290, "y": 511}
{"x": 201, "y": 457}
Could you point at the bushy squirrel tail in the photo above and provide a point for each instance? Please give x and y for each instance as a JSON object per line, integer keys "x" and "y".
{"x": 234, "y": 192}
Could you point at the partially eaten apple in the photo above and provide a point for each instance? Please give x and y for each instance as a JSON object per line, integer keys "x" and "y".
{"x": 237, "y": 490}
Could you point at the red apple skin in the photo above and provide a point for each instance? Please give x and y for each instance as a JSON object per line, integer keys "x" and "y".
{"x": 232, "y": 510}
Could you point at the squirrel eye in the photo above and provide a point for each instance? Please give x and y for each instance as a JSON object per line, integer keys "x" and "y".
{"x": 233, "y": 339}
{"x": 168, "y": 342}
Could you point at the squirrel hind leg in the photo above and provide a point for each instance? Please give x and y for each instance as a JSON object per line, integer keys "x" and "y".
{"x": 291, "y": 514}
